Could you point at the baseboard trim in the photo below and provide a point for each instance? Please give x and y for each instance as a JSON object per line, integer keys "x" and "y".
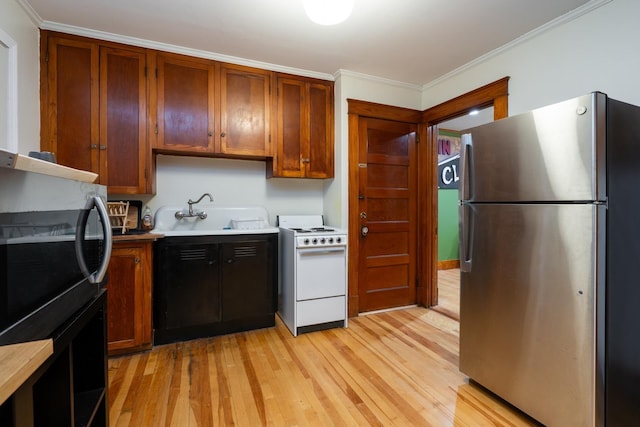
{"x": 448, "y": 264}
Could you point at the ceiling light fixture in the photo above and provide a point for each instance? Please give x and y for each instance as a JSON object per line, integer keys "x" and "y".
{"x": 328, "y": 12}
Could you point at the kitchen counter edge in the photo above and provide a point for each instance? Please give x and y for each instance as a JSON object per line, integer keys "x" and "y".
{"x": 18, "y": 362}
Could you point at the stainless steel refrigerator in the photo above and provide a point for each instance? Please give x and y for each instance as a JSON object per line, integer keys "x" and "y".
{"x": 550, "y": 261}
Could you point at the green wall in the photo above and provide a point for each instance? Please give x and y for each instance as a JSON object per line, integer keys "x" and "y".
{"x": 448, "y": 225}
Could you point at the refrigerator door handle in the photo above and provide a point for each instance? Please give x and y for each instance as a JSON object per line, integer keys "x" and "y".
{"x": 466, "y": 238}
{"x": 466, "y": 167}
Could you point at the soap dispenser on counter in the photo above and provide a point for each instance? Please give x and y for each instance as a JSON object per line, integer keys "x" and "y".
{"x": 147, "y": 219}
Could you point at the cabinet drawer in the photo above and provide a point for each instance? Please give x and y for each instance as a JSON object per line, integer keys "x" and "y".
{"x": 324, "y": 310}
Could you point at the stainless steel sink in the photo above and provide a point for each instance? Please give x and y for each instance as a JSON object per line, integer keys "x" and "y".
{"x": 218, "y": 221}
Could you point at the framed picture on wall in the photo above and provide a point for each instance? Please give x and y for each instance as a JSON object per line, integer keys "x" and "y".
{"x": 448, "y": 158}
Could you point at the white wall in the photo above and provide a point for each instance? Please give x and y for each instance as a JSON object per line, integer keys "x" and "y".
{"x": 594, "y": 51}
{"x": 231, "y": 183}
{"x": 19, "y": 26}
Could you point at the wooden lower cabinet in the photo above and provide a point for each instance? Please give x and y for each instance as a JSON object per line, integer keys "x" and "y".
{"x": 129, "y": 297}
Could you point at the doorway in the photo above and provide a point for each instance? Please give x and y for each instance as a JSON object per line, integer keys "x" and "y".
{"x": 425, "y": 158}
{"x": 449, "y": 140}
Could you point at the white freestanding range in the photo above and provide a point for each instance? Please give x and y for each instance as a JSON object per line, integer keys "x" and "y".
{"x": 313, "y": 274}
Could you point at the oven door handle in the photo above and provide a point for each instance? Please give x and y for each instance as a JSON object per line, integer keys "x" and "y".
{"x": 97, "y": 276}
{"x": 315, "y": 251}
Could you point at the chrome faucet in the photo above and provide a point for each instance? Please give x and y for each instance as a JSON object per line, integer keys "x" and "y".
{"x": 202, "y": 214}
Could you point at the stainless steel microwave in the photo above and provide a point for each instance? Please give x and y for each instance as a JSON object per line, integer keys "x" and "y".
{"x": 55, "y": 244}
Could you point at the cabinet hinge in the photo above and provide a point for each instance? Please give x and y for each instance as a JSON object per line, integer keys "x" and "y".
{"x": 145, "y": 72}
{"x": 417, "y": 138}
{"x": 156, "y": 72}
{"x": 156, "y": 129}
{"x": 46, "y": 56}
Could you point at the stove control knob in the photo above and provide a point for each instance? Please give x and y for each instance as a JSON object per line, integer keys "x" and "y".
{"x": 315, "y": 241}
{"x": 338, "y": 239}
{"x": 322, "y": 240}
{"x": 306, "y": 241}
{"x": 330, "y": 240}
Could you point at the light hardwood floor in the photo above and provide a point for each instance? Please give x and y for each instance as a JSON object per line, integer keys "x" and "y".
{"x": 449, "y": 293}
{"x": 396, "y": 368}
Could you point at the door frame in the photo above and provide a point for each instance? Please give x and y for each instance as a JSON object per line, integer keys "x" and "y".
{"x": 493, "y": 94}
{"x": 356, "y": 110}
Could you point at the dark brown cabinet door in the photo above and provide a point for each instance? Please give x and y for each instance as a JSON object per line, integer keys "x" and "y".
{"x": 320, "y": 150}
{"x": 245, "y": 111}
{"x": 70, "y": 120}
{"x": 185, "y": 102}
{"x": 305, "y": 129}
{"x": 124, "y": 150}
{"x": 129, "y": 297}
{"x": 94, "y": 110}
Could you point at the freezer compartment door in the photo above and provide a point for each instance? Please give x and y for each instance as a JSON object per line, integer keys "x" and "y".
{"x": 555, "y": 153}
{"x": 527, "y": 320}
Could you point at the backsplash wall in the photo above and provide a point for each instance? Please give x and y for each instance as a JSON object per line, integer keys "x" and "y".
{"x": 231, "y": 183}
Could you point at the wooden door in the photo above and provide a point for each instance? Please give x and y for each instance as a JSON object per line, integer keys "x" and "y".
{"x": 387, "y": 206}
{"x": 245, "y": 104}
{"x": 185, "y": 99}
{"x": 123, "y": 120}
{"x": 70, "y": 122}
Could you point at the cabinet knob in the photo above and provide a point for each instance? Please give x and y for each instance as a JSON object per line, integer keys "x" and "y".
{"x": 223, "y": 134}
{"x": 210, "y": 133}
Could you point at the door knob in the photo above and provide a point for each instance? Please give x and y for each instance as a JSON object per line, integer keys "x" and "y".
{"x": 364, "y": 231}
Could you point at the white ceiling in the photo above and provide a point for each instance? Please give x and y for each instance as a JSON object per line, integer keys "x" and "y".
{"x": 411, "y": 41}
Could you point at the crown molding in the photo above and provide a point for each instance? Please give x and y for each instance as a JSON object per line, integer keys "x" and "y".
{"x": 570, "y": 16}
{"x": 375, "y": 79}
{"x": 134, "y": 41}
{"x": 33, "y": 15}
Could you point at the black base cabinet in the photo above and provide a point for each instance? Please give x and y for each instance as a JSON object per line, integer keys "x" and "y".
{"x": 70, "y": 388}
{"x": 212, "y": 285}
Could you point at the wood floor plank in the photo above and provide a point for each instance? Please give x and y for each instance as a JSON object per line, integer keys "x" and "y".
{"x": 395, "y": 368}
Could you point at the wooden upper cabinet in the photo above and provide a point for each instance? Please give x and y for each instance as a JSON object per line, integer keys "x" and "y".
{"x": 304, "y": 142}
{"x": 245, "y": 106}
{"x": 185, "y": 104}
{"x": 94, "y": 110}
{"x": 125, "y": 155}
{"x": 70, "y": 103}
